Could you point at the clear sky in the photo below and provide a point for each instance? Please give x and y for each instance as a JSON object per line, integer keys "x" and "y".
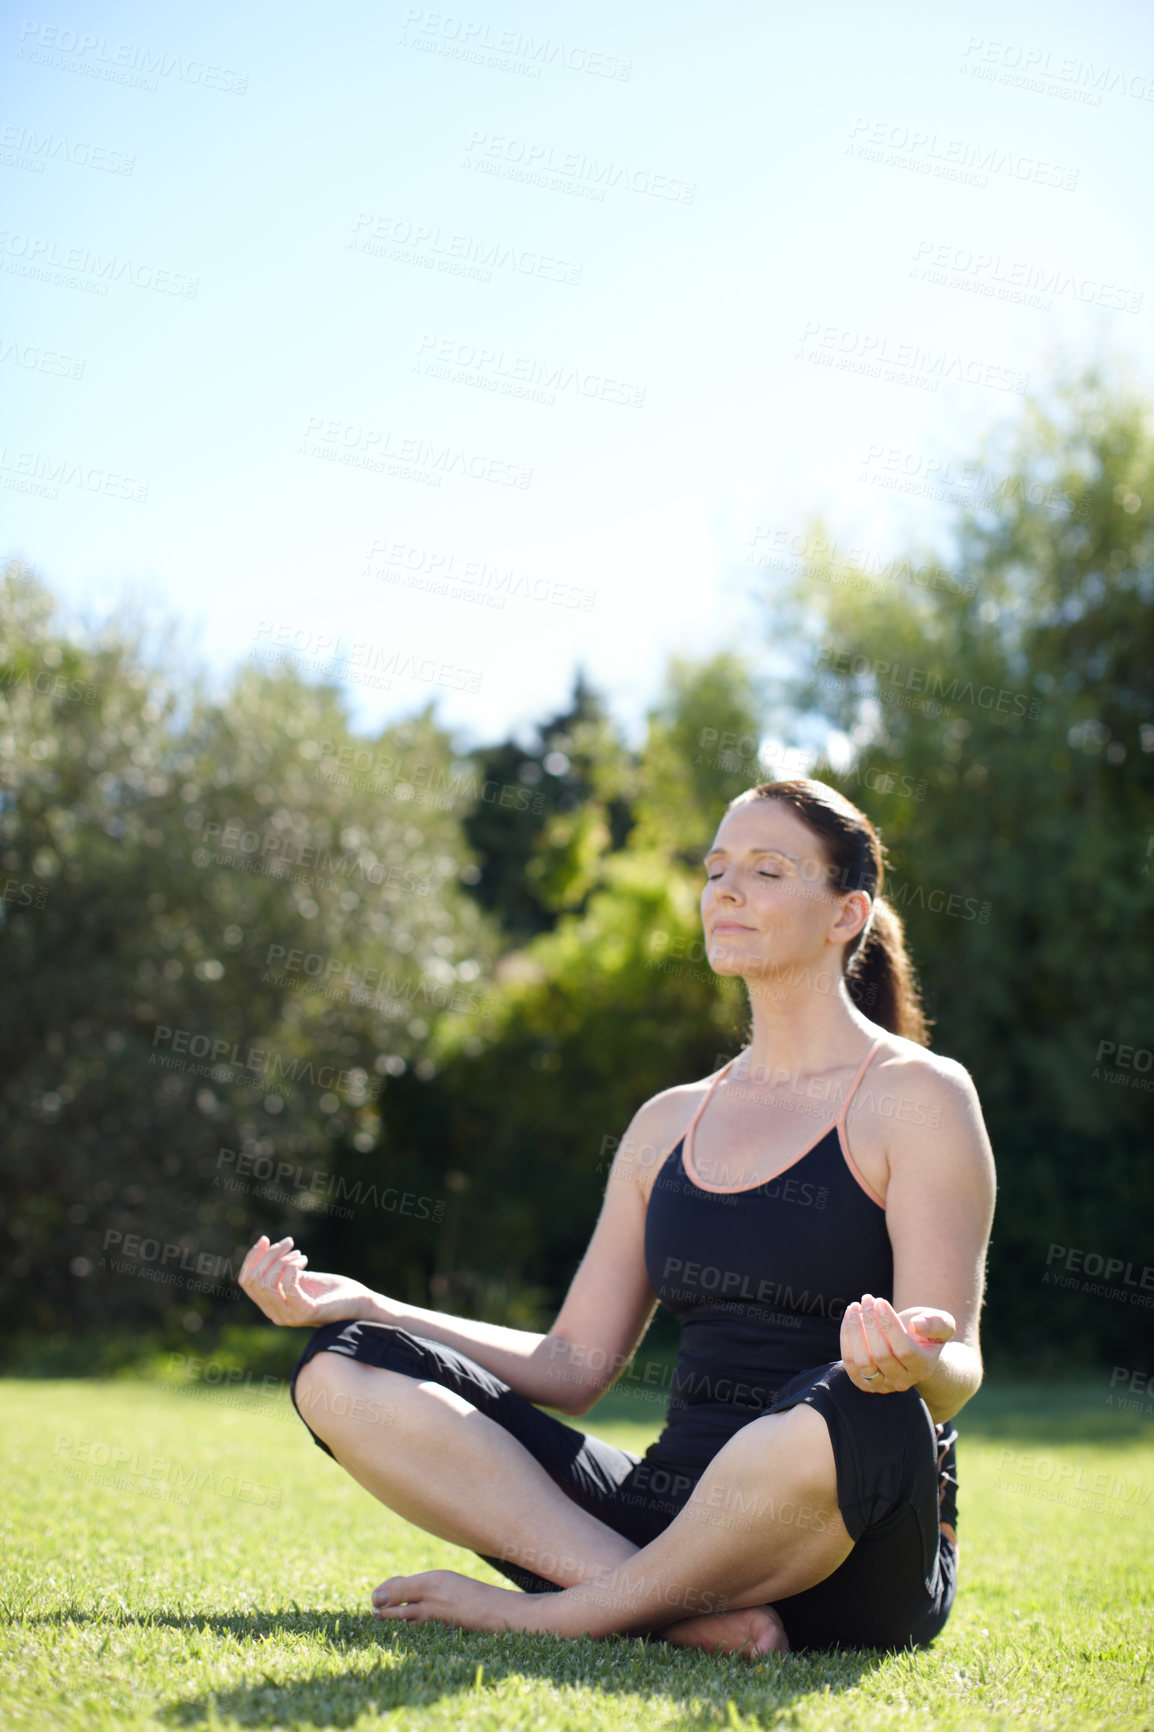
{"x": 462, "y": 347}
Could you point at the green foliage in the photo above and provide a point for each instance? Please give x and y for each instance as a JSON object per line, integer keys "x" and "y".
{"x": 1003, "y": 705}
{"x": 701, "y": 752}
{"x": 216, "y": 938}
{"x": 545, "y": 814}
{"x": 264, "y": 974}
{"x": 591, "y": 1019}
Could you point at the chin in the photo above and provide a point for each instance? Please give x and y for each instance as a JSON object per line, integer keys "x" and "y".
{"x": 728, "y": 959}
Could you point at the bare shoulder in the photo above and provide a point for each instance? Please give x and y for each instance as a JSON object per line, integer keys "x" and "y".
{"x": 903, "y": 1063}
{"x": 654, "y": 1131}
{"x": 915, "y": 1090}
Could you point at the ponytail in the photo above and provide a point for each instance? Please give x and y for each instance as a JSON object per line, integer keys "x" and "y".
{"x": 880, "y": 975}
{"x": 876, "y": 965}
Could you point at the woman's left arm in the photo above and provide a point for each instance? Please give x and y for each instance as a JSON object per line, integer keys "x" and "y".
{"x": 939, "y": 1208}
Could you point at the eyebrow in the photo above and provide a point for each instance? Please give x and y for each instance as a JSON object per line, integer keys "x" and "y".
{"x": 780, "y": 852}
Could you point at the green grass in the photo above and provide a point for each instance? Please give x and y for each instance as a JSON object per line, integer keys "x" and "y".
{"x": 204, "y": 1602}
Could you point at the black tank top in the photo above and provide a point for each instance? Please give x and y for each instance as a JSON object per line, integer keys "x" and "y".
{"x": 758, "y": 1279}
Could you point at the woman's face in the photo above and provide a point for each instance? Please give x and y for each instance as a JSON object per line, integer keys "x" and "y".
{"x": 767, "y": 903}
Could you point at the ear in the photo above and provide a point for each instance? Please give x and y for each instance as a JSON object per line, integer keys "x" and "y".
{"x": 855, "y": 910}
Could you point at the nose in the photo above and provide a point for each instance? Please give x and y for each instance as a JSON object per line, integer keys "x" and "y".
{"x": 726, "y": 886}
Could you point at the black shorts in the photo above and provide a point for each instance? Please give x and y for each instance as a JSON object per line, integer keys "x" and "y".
{"x": 896, "y": 1480}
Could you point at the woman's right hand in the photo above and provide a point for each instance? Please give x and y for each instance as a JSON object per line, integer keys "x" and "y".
{"x": 276, "y": 1278}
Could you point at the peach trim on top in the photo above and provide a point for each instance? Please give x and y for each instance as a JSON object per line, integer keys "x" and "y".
{"x": 838, "y": 1124}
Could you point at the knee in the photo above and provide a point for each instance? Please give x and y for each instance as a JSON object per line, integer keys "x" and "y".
{"x": 333, "y": 1393}
{"x": 794, "y": 1447}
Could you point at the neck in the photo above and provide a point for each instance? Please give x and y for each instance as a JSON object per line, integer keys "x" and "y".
{"x": 809, "y": 1026}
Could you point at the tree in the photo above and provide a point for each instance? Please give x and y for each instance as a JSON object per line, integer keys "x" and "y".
{"x": 543, "y": 813}
{"x": 1002, "y": 702}
{"x": 224, "y": 926}
{"x": 614, "y": 1004}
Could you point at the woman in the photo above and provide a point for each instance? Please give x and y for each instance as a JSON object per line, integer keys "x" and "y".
{"x": 828, "y": 1282}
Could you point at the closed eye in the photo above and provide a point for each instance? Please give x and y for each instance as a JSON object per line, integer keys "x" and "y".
{"x": 714, "y": 876}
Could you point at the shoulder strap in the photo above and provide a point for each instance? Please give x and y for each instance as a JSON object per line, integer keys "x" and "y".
{"x": 862, "y": 1068}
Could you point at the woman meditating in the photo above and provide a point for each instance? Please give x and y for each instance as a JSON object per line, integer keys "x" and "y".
{"x": 815, "y": 1215}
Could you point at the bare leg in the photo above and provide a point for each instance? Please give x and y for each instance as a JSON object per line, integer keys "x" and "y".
{"x": 775, "y": 1485}
{"x": 424, "y": 1452}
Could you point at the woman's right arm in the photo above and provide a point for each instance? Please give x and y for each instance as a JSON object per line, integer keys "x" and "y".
{"x": 606, "y": 1311}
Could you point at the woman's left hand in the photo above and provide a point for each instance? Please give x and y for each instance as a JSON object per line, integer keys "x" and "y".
{"x": 885, "y": 1350}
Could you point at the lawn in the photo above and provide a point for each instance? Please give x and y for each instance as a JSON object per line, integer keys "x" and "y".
{"x": 189, "y": 1559}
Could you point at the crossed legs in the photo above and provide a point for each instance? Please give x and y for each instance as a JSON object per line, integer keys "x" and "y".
{"x": 761, "y": 1524}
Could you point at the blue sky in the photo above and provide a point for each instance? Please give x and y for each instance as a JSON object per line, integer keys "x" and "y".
{"x": 454, "y": 348}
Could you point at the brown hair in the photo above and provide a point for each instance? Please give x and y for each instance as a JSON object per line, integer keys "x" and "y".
{"x": 875, "y": 964}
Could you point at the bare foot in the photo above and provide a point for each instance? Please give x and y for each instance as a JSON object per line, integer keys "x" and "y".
{"x": 749, "y": 1630}
{"x": 447, "y": 1597}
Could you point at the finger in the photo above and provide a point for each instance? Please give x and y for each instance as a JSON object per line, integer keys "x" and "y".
{"x": 268, "y": 1269}
{"x": 933, "y": 1327}
{"x": 876, "y": 1359}
{"x": 884, "y": 1352}
{"x": 290, "y": 1287}
{"x": 266, "y": 1261}
{"x": 287, "y": 1265}
{"x": 857, "y": 1360}
{"x": 252, "y": 1256}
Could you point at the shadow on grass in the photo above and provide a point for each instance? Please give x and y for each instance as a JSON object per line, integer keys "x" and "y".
{"x": 405, "y": 1666}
